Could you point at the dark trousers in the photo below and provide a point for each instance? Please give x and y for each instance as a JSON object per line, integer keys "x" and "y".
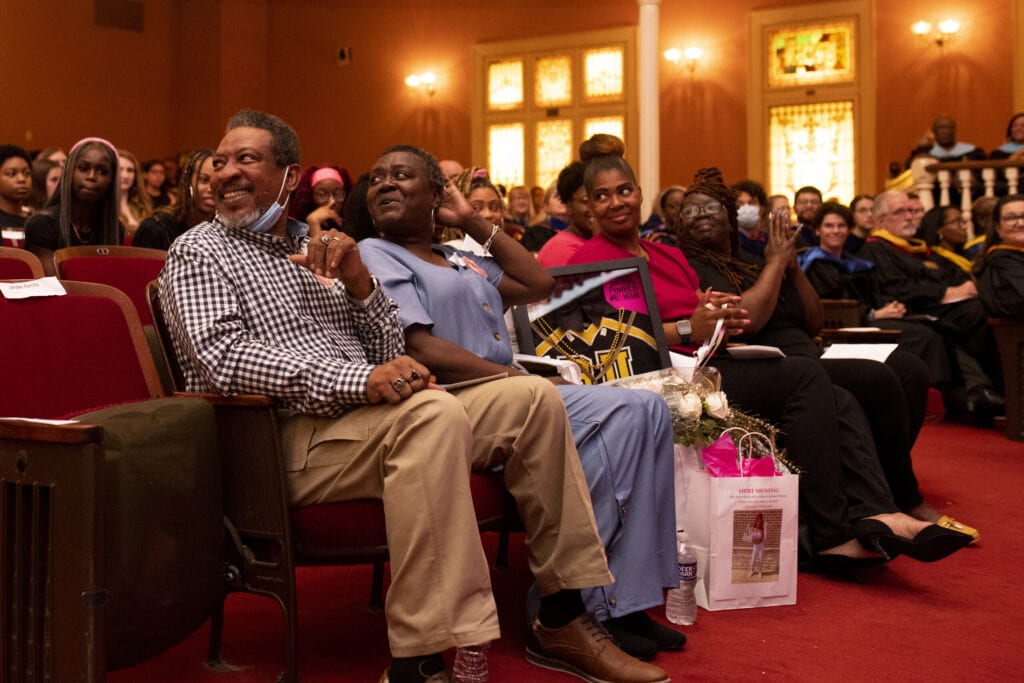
{"x": 826, "y": 436}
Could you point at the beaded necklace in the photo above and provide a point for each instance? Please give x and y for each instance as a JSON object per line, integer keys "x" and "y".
{"x": 589, "y": 369}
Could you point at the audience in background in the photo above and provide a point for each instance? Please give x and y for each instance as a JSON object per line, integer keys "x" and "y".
{"x": 558, "y": 250}
{"x": 834, "y": 273}
{"x": 907, "y": 273}
{"x": 318, "y": 199}
{"x": 55, "y": 154}
{"x": 84, "y": 208}
{"x": 197, "y": 205}
{"x": 806, "y": 202}
{"x": 944, "y": 229}
{"x": 520, "y": 207}
{"x": 751, "y": 216}
{"x": 45, "y": 178}
{"x": 15, "y": 186}
{"x": 863, "y": 210}
{"x": 155, "y": 177}
{"x": 1013, "y": 148}
{"x": 355, "y": 214}
{"x": 551, "y": 219}
{"x": 658, "y": 227}
{"x": 134, "y": 202}
{"x": 981, "y": 221}
{"x": 1000, "y": 269}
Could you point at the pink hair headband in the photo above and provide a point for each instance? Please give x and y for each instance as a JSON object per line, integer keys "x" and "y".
{"x": 325, "y": 173}
{"x": 85, "y": 141}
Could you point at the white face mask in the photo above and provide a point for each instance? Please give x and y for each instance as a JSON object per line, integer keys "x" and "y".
{"x": 747, "y": 216}
{"x": 268, "y": 219}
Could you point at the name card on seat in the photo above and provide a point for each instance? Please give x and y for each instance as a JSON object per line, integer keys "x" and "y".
{"x": 26, "y": 289}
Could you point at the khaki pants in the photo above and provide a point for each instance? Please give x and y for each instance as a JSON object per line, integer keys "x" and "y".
{"x": 416, "y": 457}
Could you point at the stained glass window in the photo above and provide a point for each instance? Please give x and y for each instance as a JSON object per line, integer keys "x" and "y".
{"x": 602, "y": 77}
{"x": 613, "y": 125}
{"x": 553, "y": 81}
{"x": 812, "y": 144}
{"x": 505, "y": 85}
{"x": 505, "y": 154}
{"x": 554, "y": 149}
{"x": 811, "y": 54}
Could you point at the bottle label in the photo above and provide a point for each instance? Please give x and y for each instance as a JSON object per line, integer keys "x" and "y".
{"x": 688, "y": 571}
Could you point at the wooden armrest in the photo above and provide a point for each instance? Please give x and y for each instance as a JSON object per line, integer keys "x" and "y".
{"x": 238, "y": 401}
{"x": 27, "y": 430}
{"x": 836, "y": 336}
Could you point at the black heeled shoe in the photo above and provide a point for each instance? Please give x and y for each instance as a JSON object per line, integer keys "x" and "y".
{"x": 930, "y": 545}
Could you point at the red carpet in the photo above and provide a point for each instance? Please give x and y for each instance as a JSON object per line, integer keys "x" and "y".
{"x": 959, "y": 619}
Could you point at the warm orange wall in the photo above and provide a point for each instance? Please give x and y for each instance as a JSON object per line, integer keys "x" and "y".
{"x": 174, "y": 85}
{"x": 64, "y": 78}
{"x": 349, "y": 114}
{"x": 971, "y": 78}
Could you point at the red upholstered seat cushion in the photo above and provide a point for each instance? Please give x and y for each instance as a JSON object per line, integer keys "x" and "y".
{"x": 15, "y": 269}
{"x": 360, "y": 523}
{"x": 128, "y": 274}
{"x": 63, "y": 354}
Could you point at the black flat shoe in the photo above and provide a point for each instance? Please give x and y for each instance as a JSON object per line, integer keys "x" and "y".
{"x": 631, "y": 643}
{"x": 641, "y": 624}
{"x": 930, "y": 545}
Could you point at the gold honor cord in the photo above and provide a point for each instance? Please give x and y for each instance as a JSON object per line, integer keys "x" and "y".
{"x": 590, "y": 370}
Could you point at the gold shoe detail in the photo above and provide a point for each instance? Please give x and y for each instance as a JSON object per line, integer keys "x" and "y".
{"x": 948, "y": 522}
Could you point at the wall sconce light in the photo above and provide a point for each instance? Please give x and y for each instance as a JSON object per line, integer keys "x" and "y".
{"x": 941, "y": 34}
{"x": 426, "y": 79}
{"x": 692, "y": 54}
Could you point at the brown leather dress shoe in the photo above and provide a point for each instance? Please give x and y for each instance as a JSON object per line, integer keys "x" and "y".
{"x": 584, "y": 649}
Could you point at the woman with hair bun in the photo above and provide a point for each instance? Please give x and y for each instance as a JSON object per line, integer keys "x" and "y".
{"x": 852, "y": 518}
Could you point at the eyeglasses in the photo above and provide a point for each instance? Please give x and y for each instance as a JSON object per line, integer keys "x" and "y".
{"x": 323, "y": 196}
{"x": 955, "y": 221}
{"x": 899, "y": 212}
{"x": 709, "y": 209}
{"x": 1011, "y": 218}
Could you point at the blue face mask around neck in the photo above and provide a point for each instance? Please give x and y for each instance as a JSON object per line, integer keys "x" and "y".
{"x": 269, "y": 218}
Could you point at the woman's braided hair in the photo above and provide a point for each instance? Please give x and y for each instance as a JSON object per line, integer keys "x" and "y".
{"x": 708, "y": 181}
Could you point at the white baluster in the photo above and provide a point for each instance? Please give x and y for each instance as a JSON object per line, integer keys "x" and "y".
{"x": 964, "y": 176}
{"x": 1012, "y": 176}
{"x": 944, "y": 179}
{"x": 988, "y": 176}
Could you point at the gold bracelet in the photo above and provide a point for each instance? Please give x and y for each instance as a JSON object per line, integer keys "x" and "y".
{"x": 490, "y": 240}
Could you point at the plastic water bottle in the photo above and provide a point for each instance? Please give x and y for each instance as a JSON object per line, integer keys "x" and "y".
{"x": 681, "y": 605}
{"x": 470, "y": 664}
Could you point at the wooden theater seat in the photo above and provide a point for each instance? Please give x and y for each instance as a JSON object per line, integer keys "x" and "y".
{"x": 268, "y": 539}
{"x": 108, "y": 554}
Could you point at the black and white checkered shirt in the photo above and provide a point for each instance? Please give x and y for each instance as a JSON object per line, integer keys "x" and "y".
{"x": 244, "y": 319}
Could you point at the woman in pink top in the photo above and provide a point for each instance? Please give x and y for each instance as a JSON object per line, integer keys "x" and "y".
{"x": 559, "y": 249}
{"x": 850, "y": 514}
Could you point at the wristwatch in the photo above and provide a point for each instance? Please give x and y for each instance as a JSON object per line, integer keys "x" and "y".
{"x": 684, "y": 329}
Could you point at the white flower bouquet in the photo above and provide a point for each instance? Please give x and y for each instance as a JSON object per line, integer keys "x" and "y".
{"x": 700, "y": 409}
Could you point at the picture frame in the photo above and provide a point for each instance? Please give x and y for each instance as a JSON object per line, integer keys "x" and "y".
{"x": 602, "y": 316}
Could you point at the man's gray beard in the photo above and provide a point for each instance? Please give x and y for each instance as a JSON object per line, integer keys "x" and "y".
{"x": 239, "y": 221}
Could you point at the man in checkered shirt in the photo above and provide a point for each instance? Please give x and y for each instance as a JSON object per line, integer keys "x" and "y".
{"x": 250, "y": 312}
